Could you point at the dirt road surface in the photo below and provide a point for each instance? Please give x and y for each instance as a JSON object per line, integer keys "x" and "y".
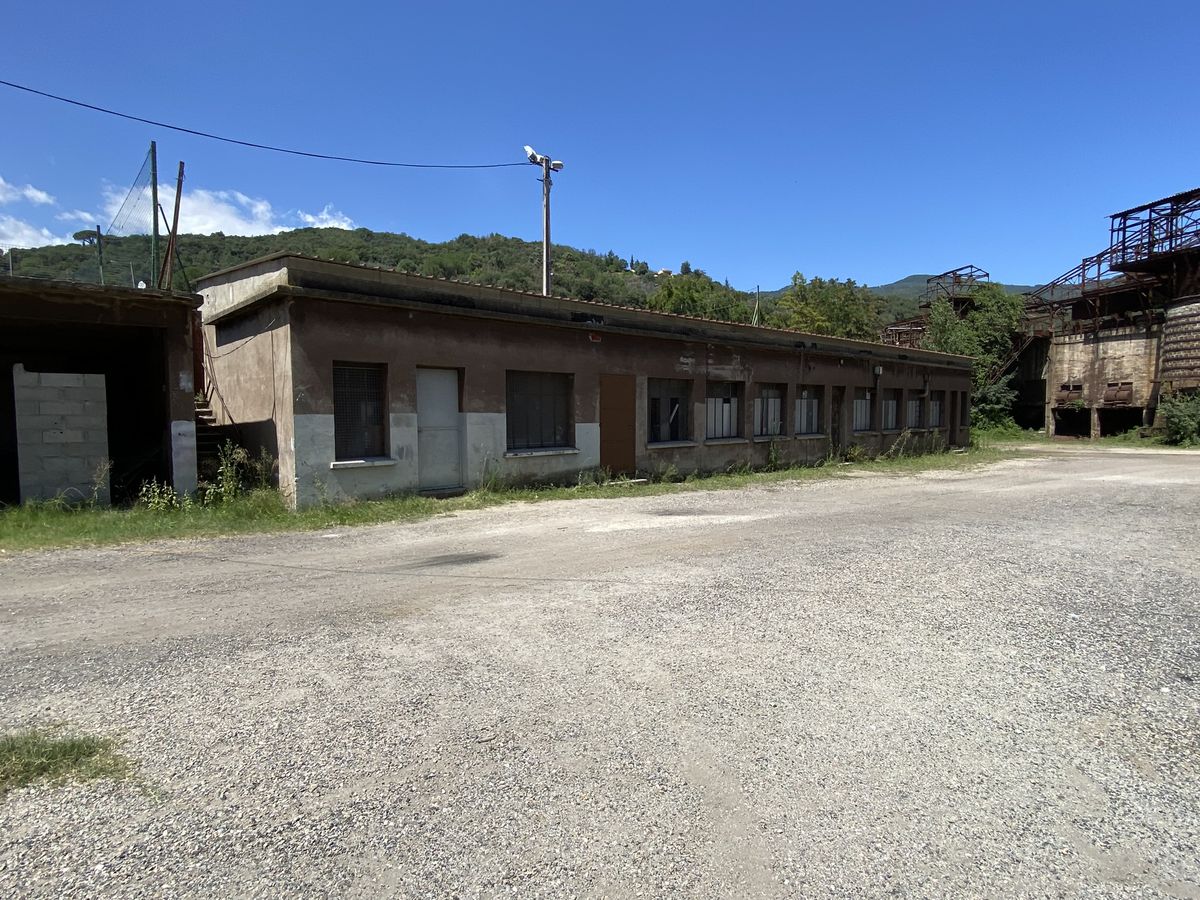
{"x": 978, "y": 683}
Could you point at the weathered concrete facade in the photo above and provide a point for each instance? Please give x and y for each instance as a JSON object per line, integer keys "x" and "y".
{"x": 1102, "y": 382}
{"x": 275, "y": 337}
{"x": 124, "y": 357}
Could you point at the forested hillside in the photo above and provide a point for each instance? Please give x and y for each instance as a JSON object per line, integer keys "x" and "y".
{"x": 494, "y": 259}
{"x": 824, "y": 306}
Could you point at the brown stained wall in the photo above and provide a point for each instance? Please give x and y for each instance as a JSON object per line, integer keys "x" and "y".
{"x": 1095, "y": 360}
{"x": 484, "y": 349}
{"x": 249, "y": 367}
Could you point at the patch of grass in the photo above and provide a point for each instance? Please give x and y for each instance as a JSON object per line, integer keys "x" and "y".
{"x": 44, "y": 525}
{"x": 43, "y": 755}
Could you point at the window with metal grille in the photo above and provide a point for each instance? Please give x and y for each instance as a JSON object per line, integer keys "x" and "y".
{"x": 538, "y": 410}
{"x": 722, "y": 419}
{"x": 768, "y": 410}
{"x": 670, "y": 400}
{"x": 937, "y": 409}
{"x": 862, "y": 409}
{"x": 808, "y": 410}
{"x": 913, "y": 417}
{"x": 359, "y": 410}
{"x": 889, "y": 410}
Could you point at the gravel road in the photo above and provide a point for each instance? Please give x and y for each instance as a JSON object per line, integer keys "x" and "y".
{"x": 981, "y": 683}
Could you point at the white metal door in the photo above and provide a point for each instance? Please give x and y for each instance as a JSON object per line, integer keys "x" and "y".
{"x": 439, "y": 439}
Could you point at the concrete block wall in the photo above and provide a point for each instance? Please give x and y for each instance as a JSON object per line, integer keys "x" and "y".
{"x": 62, "y": 434}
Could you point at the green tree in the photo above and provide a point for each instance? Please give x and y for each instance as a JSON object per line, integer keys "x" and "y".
{"x": 695, "y": 294}
{"x": 828, "y": 306}
{"x": 987, "y": 331}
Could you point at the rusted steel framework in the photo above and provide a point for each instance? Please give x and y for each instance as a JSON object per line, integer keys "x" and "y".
{"x": 955, "y": 285}
{"x": 1092, "y": 274}
{"x": 1142, "y": 239}
{"x": 906, "y": 333}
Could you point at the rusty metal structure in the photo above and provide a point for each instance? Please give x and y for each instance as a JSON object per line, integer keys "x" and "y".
{"x": 1153, "y": 257}
{"x": 1124, "y": 324}
{"x": 956, "y": 286}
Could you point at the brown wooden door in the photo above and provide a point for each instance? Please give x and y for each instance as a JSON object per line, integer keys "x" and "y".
{"x": 618, "y": 407}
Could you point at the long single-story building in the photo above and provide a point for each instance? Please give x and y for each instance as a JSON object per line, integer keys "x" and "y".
{"x": 97, "y": 390}
{"x": 364, "y": 381}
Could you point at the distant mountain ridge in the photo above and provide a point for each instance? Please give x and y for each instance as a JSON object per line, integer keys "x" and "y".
{"x": 914, "y": 286}
{"x": 902, "y": 298}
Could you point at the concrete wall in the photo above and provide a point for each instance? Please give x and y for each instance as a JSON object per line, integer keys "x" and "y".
{"x": 62, "y": 435}
{"x": 250, "y": 378}
{"x": 225, "y": 292}
{"x": 1095, "y": 360}
{"x": 273, "y": 368}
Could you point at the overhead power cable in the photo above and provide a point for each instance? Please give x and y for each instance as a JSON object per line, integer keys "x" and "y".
{"x": 228, "y": 140}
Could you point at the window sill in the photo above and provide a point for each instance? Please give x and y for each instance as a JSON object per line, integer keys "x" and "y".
{"x": 765, "y": 438}
{"x": 368, "y": 463}
{"x": 542, "y": 451}
{"x": 817, "y": 436}
{"x": 717, "y": 442}
{"x": 669, "y": 445}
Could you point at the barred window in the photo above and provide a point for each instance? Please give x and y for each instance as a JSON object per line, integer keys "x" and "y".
{"x": 768, "y": 410}
{"x": 862, "y": 409}
{"x": 359, "y": 410}
{"x": 539, "y": 410}
{"x": 937, "y": 407}
{"x": 889, "y": 410}
{"x": 913, "y": 419}
{"x": 670, "y": 400}
{"x": 808, "y": 410}
{"x": 722, "y": 418}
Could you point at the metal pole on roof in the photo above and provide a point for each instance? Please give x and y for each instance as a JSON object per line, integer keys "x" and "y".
{"x": 547, "y": 165}
{"x": 100, "y": 252}
{"x": 153, "y": 209}
{"x": 546, "y": 182}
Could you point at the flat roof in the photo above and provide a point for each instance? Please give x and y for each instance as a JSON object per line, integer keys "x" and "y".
{"x": 82, "y": 290}
{"x": 1174, "y": 198}
{"x": 310, "y": 276}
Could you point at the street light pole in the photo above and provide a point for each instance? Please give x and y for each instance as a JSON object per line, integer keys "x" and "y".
{"x": 547, "y": 165}
{"x": 546, "y": 182}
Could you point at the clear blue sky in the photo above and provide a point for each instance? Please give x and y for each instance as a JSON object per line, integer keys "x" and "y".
{"x": 862, "y": 140}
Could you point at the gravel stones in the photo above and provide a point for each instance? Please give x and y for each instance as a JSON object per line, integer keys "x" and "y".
{"x": 978, "y": 682}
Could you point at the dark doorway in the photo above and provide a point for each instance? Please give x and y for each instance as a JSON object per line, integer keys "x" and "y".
{"x": 835, "y": 419}
{"x": 1070, "y": 422}
{"x": 618, "y": 410}
{"x": 134, "y": 365}
{"x": 1120, "y": 420}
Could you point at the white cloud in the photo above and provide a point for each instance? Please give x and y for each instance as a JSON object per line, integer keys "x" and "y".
{"x": 13, "y": 193}
{"x": 16, "y": 233}
{"x": 203, "y": 211}
{"x": 82, "y": 216}
{"x": 326, "y": 218}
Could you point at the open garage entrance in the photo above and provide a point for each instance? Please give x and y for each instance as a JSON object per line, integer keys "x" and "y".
{"x": 133, "y": 363}
{"x": 53, "y": 335}
{"x": 1073, "y": 422}
{"x": 1120, "y": 420}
